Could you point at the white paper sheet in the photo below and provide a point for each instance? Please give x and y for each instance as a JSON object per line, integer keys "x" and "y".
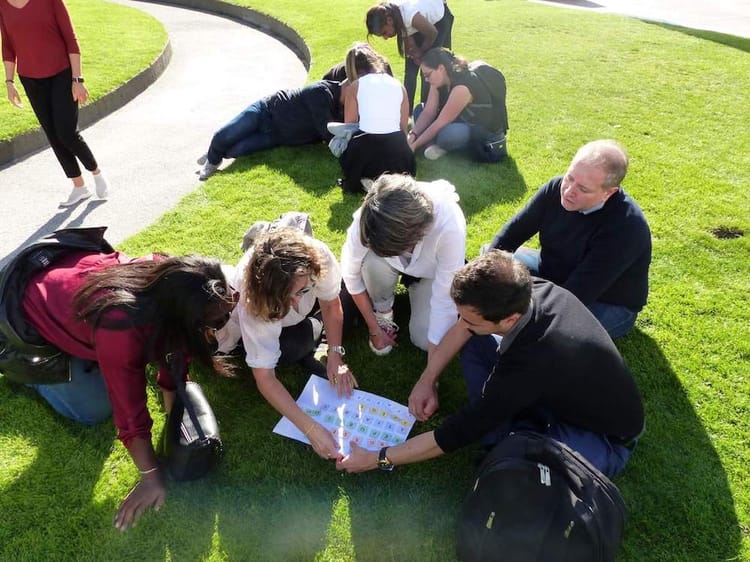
{"x": 369, "y": 420}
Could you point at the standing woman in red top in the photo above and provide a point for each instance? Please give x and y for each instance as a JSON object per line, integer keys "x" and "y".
{"x": 39, "y": 39}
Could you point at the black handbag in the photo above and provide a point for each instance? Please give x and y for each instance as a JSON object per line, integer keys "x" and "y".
{"x": 191, "y": 443}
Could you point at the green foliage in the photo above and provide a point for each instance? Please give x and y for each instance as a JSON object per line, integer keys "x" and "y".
{"x": 674, "y": 98}
{"x": 117, "y": 42}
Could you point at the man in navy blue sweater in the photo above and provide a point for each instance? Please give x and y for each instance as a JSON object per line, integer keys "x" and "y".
{"x": 594, "y": 239}
{"x": 555, "y": 370}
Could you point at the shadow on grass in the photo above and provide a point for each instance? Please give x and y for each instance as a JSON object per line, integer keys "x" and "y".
{"x": 51, "y": 498}
{"x": 679, "y": 502}
{"x": 315, "y": 170}
{"x": 739, "y": 43}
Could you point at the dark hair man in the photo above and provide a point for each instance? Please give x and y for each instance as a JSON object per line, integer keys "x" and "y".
{"x": 594, "y": 239}
{"x": 555, "y": 369}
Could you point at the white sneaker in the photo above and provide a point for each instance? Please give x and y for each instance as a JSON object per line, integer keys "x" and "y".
{"x": 207, "y": 171}
{"x": 386, "y": 323}
{"x": 102, "y": 187}
{"x": 433, "y": 152}
{"x": 77, "y": 194}
{"x": 202, "y": 159}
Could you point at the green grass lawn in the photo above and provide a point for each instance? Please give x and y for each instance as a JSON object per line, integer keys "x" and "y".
{"x": 676, "y": 99}
{"x": 117, "y": 42}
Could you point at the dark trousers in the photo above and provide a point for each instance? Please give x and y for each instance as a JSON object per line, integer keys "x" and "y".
{"x": 57, "y": 112}
{"x": 443, "y": 39}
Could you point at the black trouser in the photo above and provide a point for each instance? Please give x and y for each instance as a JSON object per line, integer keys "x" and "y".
{"x": 57, "y": 112}
{"x": 411, "y": 68}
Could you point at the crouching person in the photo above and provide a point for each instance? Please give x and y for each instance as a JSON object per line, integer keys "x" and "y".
{"x": 555, "y": 368}
{"x": 109, "y": 316}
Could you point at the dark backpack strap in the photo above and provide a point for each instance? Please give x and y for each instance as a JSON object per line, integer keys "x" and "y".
{"x": 177, "y": 365}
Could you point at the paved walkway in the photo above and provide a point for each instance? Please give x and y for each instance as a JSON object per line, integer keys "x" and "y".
{"x": 148, "y": 148}
{"x": 725, "y": 16}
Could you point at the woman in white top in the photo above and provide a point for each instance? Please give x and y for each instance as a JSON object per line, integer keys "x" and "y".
{"x": 417, "y": 25}
{"x": 378, "y": 103}
{"x": 280, "y": 279}
{"x": 405, "y": 227}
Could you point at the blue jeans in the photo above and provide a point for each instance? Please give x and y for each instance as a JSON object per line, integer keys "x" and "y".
{"x": 454, "y": 136}
{"x": 84, "y": 399}
{"x": 248, "y": 132}
{"x": 478, "y": 358}
{"x": 618, "y": 320}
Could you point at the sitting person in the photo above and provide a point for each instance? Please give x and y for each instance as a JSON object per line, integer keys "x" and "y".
{"x": 281, "y": 279}
{"x": 286, "y": 118}
{"x": 113, "y": 316}
{"x": 579, "y": 393}
{"x": 405, "y": 227}
{"x": 594, "y": 239}
{"x": 377, "y": 102}
{"x": 418, "y": 26}
{"x": 460, "y": 104}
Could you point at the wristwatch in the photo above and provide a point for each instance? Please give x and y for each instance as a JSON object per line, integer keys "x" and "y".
{"x": 78, "y": 79}
{"x": 337, "y": 349}
{"x": 383, "y": 462}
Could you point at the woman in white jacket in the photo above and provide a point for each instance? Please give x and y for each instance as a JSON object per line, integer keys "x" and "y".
{"x": 405, "y": 227}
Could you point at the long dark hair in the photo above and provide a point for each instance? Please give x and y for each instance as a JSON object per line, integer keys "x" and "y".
{"x": 171, "y": 296}
{"x": 453, "y": 64}
{"x": 376, "y": 18}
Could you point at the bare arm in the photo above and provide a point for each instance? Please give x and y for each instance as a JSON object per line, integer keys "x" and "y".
{"x": 351, "y": 106}
{"x": 150, "y": 490}
{"x": 338, "y": 372}
{"x": 78, "y": 90}
{"x": 404, "y": 110}
{"x": 458, "y": 99}
{"x": 10, "y": 72}
{"x": 423, "y": 400}
{"x": 278, "y": 396}
{"x": 428, "y": 31}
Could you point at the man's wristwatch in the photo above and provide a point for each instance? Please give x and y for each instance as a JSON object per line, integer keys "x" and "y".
{"x": 383, "y": 462}
{"x": 337, "y": 349}
{"x": 78, "y": 79}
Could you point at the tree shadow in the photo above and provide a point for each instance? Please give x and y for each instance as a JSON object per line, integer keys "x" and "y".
{"x": 675, "y": 473}
{"x": 739, "y": 43}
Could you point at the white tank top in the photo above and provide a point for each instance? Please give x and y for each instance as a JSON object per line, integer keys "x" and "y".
{"x": 379, "y": 98}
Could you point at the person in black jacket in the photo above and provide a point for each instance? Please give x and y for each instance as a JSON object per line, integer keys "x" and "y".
{"x": 594, "y": 238}
{"x": 555, "y": 369}
{"x": 288, "y": 117}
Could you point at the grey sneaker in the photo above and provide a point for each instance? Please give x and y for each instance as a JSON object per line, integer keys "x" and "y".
{"x": 433, "y": 152}
{"x": 102, "y": 187}
{"x": 202, "y": 160}
{"x": 386, "y": 323}
{"x": 207, "y": 171}
{"x": 77, "y": 194}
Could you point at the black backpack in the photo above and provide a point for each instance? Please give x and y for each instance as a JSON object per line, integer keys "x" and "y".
{"x": 493, "y": 116}
{"x": 535, "y": 499}
{"x": 25, "y": 357}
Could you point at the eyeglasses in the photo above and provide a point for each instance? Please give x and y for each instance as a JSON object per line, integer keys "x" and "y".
{"x": 427, "y": 74}
{"x": 303, "y": 291}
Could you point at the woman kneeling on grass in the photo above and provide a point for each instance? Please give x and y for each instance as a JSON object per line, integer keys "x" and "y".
{"x": 459, "y": 103}
{"x": 122, "y": 314}
{"x": 405, "y": 227}
{"x": 378, "y": 103}
{"x": 281, "y": 279}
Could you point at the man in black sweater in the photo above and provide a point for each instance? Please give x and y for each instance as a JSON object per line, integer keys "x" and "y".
{"x": 555, "y": 364}
{"x": 286, "y": 118}
{"x": 594, "y": 239}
